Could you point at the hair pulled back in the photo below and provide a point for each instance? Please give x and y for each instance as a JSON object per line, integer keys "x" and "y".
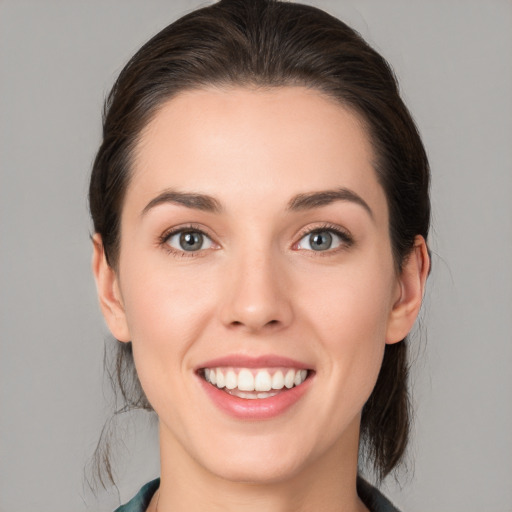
{"x": 268, "y": 43}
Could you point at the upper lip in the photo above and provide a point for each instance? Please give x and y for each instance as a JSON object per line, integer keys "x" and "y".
{"x": 245, "y": 361}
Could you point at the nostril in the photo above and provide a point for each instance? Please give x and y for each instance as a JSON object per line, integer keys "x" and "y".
{"x": 270, "y": 323}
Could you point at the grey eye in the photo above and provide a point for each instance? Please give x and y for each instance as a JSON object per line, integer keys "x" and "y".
{"x": 189, "y": 241}
{"x": 320, "y": 241}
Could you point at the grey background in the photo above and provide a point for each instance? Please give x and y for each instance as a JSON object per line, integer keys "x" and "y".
{"x": 57, "y": 61}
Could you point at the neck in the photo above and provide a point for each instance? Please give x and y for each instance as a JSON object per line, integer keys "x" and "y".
{"x": 328, "y": 484}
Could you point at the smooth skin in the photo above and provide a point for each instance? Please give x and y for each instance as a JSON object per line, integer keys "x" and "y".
{"x": 257, "y": 285}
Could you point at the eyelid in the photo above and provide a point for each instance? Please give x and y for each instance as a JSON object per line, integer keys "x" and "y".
{"x": 196, "y": 228}
{"x": 346, "y": 237}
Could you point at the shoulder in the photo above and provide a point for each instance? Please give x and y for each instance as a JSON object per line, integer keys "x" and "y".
{"x": 371, "y": 497}
{"x": 140, "y": 502}
{"x": 374, "y": 500}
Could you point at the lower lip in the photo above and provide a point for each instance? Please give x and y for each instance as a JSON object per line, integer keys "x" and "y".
{"x": 258, "y": 408}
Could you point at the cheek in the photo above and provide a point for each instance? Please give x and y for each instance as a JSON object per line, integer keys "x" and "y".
{"x": 161, "y": 297}
{"x": 349, "y": 313}
{"x": 166, "y": 312}
{"x": 352, "y": 302}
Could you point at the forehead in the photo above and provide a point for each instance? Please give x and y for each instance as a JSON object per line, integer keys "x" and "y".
{"x": 245, "y": 146}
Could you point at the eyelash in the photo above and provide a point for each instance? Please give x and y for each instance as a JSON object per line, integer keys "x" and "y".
{"x": 164, "y": 238}
{"x": 346, "y": 239}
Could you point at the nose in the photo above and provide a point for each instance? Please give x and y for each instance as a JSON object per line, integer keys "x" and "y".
{"x": 256, "y": 295}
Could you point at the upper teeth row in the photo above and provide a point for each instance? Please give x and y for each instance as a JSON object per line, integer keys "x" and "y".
{"x": 254, "y": 380}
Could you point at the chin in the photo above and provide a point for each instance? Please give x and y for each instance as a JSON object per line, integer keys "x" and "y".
{"x": 257, "y": 471}
{"x": 257, "y": 459}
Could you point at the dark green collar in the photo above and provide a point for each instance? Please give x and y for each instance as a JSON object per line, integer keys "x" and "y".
{"x": 371, "y": 497}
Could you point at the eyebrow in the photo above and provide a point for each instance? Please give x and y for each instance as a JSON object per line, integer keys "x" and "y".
{"x": 300, "y": 202}
{"x": 192, "y": 200}
{"x": 313, "y": 200}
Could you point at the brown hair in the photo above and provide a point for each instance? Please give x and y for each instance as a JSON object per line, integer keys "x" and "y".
{"x": 268, "y": 43}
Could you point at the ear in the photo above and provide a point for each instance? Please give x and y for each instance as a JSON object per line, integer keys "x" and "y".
{"x": 109, "y": 294}
{"x": 411, "y": 287}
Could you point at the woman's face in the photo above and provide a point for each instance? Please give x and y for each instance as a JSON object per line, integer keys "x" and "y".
{"x": 255, "y": 252}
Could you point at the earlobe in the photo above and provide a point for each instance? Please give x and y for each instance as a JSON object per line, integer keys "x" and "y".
{"x": 411, "y": 284}
{"x": 109, "y": 294}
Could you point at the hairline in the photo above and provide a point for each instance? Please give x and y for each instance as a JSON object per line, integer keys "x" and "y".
{"x": 255, "y": 84}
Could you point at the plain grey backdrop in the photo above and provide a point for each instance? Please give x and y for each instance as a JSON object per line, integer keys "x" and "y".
{"x": 57, "y": 61}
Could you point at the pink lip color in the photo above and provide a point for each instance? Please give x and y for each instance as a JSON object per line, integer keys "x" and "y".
{"x": 264, "y": 361}
{"x": 257, "y": 409}
{"x": 260, "y": 408}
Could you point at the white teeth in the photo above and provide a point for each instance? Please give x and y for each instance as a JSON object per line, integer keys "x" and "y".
{"x": 231, "y": 380}
{"x": 265, "y": 395}
{"x": 254, "y": 383}
{"x": 289, "y": 379}
{"x": 278, "y": 380}
{"x": 242, "y": 394}
{"x": 219, "y": 377}
{"x": 263, "y": 381}
{"x": 245, "y": 381}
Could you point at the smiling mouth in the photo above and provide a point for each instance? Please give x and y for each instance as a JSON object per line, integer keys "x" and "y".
{"x": 254, "y": 383}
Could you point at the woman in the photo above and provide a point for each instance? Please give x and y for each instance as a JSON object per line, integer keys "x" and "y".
{"x": 260, "y": 207}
